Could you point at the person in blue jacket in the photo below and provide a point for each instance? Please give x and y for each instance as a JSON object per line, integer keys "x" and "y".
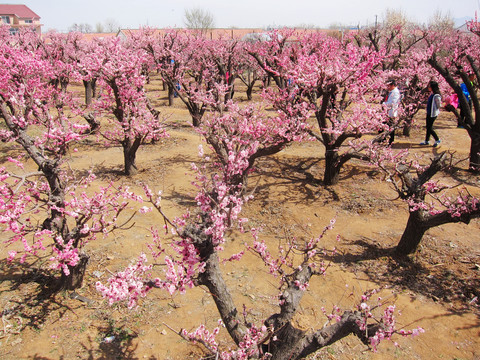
{"x": 463, "y": 86}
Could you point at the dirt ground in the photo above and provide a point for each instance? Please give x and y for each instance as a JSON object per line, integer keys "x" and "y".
{"x": 435, "y": 288}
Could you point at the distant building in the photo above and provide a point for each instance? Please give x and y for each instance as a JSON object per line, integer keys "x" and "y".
{"x": 19, "y": 16}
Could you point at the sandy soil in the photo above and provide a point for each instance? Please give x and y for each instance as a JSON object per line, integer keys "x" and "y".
{"x": 433, "y": 288}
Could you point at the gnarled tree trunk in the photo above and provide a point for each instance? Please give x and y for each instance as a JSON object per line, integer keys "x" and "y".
{"x": 474, "y": 164}
{"x": 129, "y": 155}
{"x": 171, "y": 94}
{"x": 75, "y": 279}
{"x": 90, "y": 90}
{"x": 412, "y": 235}
{"x": 332, "y": 169}
{"x": 284, "y": 342}
{"x": 420, "y": 221}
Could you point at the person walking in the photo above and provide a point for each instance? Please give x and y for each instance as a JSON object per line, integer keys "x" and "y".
{"x": 433, "y": 109}
{"x": 392, "y": 102}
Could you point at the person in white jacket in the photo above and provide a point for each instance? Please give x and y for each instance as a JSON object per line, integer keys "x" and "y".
{"x": 392, "y": 103}
{"x": 433, "y": 109}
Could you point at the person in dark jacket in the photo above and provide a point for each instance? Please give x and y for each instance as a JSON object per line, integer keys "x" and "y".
{"x": 433, "y": 109}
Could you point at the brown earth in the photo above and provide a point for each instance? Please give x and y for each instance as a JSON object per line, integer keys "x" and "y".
{"x": 433, "y": 289}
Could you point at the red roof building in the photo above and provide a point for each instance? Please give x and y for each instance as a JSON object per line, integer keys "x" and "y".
{"x": 19, "y": 16}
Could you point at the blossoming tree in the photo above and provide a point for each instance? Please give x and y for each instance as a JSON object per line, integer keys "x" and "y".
{"x": 195, "y": 260}
{"x": 185, "y": 64}
{"x": 398, "y": 39}
{"x": 430, "y": 202}
{"x": 334, "y": 79}
{"x": 454, "y": 56}
{"x": 45, "y": 209}
{"x": 252, "y": 133}
{"x": 135, "y": 121}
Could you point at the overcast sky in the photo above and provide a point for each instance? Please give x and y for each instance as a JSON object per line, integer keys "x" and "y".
{"x": 61, "y": 14}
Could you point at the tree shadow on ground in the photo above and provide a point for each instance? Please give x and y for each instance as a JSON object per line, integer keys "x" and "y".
{"x": 91, "y": 143}
{"x": 298, "y": 177}
{"x": 464, "y": 176}
{"x": 106, "y": 172}
{"x": 35, "y": 291}
{"x": 102, "y": 172}
{"x": 114, "y": 339}
{"x": 401, "y": 146}
{"x": 34, "y": 299}
{"x": 112, "y": 350}
{"x": 419, "y": 273}
{"x": 10, "y": 150}
{"x": 181, "y": 199}
{"x": 178, "y": 160}
{"x": 116, "y": 342}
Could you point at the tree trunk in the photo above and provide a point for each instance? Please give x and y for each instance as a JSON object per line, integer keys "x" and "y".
{"x": 249, "y": 92}
{"x": 56, "y": 221}
{"x": 407, "y": 126}
{"x": 90, "y": 90}
{"x": 94, "y": 123}
{"x": 332, "y": 170}
{"x": 129, "y": 155}
{"x": 64, "y": 83}
{"x": 412, "y": 235}
{"x": 75, "y": 279}
{"x": 295, "y": 344}
{"x": 130, "y": 167}
{"x": 287, "y": 339}
{"x": 146, "y": 73}
{"x": 171, "y": 94}
{"x": 474, "y": 151}
{"x": 231, "y": 91}
{"x": 196, "y": 120}
{"x": 213, "y": 280}
{"x": 250, "y": 84}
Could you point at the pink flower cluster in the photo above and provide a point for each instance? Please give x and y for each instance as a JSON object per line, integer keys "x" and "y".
{"x": 130, "y": 284}
{"x": 201, "y": 334}
{"x": 66, "y": 255}
{"x": 335, "y": 314}
{"x": 220, "y": 196}
{"x": 274, "y": 264}
{"x": 248, "y": 348}
{"x": 464, "y": 203}
{"x": 387, "y": 326}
